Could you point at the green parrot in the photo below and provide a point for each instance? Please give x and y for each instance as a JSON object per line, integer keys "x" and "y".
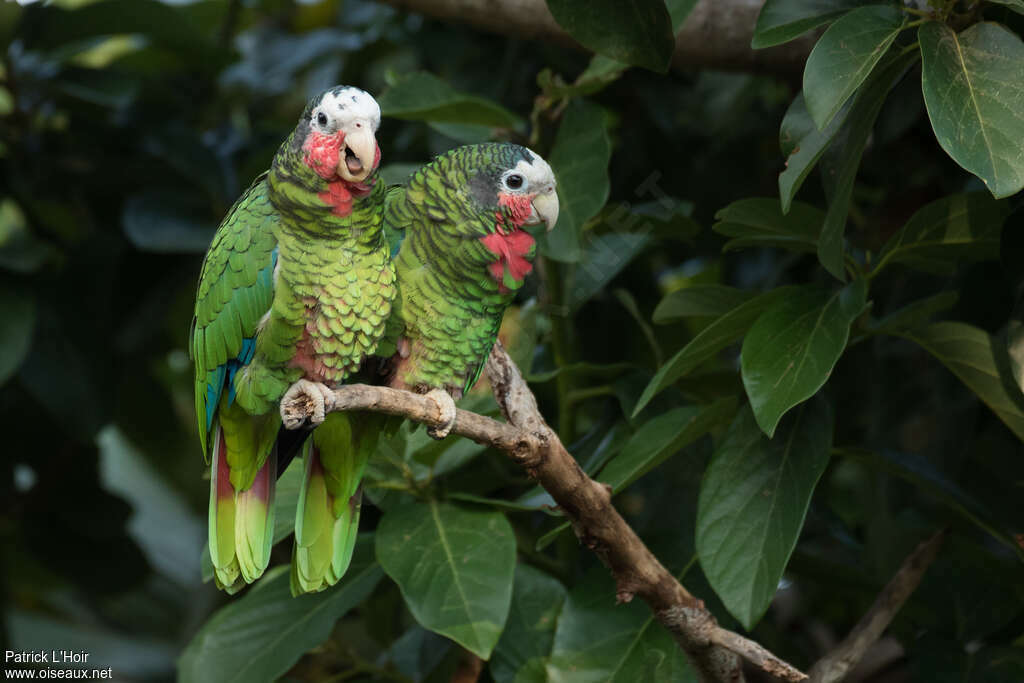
{"x": 294, "y": 294}
{"x": 463, "y": 255}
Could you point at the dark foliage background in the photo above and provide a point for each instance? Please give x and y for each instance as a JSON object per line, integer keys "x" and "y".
{"x": 127, "y": 129}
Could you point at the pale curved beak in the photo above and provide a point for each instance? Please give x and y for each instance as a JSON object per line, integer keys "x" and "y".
{"x": 545, "y": 208}
{"x": 355, "y": 162}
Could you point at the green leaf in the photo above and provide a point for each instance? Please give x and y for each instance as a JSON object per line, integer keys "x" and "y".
{"x": 537, "y": 601}
{"x": 54, "y": 27}
{"x": 679, "y": 11}
{"x": 845, "y": 55}
{"x": 132, "y": 655}
{"x": 579, "y": 157}
{"x": 167, "y": 222}
{"x": 845, "y": 154}
{"x": 597, "y": 640}
{"x": 790, "y": 351}
{"x": 422, "y": 96}
{"x": 724, "y": 331}
{"x": 698, "y": 301}
{"x": 18, "y": 311}
{"x": 922, "y": 473}
{"x": 260, "y": 636}
{"x": 780, "y": 21}
{"x": 662, "y": 437}
{"x": 752, "y": 504}
{"x": 973, "y": 84}
{"x": 960, "y": 227}
{"x": 454, "y": 567}
{"x": 762, "y": 222}
{"x": 162, "y": 523}
{"x": 603, "y": 258}
{"x": 803, "y": 144}
{"x": 971, "y": 355}
{"x": 637, "y": 32}
{"x": 914, "y": 314}
{"x": 1016, "y": 5}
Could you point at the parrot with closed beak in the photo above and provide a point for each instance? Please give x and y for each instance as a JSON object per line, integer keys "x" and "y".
{"x": 293, "y": 295}
{"x": 463, "y": 255}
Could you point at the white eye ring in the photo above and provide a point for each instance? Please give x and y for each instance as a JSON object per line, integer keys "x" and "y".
{"x": 321, "y": 119}
{"x": 514, "y": 181}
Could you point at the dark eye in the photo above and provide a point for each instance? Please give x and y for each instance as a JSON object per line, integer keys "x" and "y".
{"x": 321, "y": 118}
{"x": 514, "y": 181}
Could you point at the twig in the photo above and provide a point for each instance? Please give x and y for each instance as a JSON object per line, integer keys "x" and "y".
{"x": 836, "y": 664}
{"x": 714, "y": 652}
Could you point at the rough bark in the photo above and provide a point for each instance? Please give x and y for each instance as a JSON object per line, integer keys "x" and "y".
{"x": 716, "y": 34}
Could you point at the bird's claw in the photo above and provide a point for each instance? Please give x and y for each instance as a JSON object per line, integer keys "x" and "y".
{"x": 305, "y": 401}
{"x": 446, "y": 411}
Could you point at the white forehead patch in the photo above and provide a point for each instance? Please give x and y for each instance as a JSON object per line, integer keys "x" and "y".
{"x": 538, "y": 174}
{"x": 348, "y": 104}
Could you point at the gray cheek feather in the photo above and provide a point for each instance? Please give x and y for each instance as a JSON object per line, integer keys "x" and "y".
{"x": 483, "y": 189}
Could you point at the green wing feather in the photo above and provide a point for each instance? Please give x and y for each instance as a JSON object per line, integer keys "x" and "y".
{"x": 235, "y": 291}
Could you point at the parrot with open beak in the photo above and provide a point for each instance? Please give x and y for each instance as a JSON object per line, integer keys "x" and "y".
{"x": 293, "y": 295}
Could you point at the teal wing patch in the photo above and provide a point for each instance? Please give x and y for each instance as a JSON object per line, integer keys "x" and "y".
{"x": 236, "y": 289}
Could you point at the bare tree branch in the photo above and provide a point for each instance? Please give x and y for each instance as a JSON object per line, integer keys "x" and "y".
{"x": 716, "y": 34}
{"x": 836, "y": 664}
{"x": 714, "y": 652}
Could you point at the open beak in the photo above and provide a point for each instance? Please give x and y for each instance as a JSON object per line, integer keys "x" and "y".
{"x": 545, "y": 208}
{"x": 355, "y": 162}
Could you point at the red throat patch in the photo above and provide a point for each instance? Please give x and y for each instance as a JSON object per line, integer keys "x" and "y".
{"x": 511, "y": 250}
{"x": 322, "y": 155}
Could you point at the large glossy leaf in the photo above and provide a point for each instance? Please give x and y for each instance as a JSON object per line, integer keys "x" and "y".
{"x": 661, "y": 437}
{"x": 637, "y": 32}
{"x": 579, "y": 158}
{"x": 752, "y": 504}
{"x": 960, "y": 227}
{"x": 844, "y": 156}
{"x": 422, "y": 96}
{"x": 597, "y": 640}
{"x": 260, "y": 636}
{"x": 973, "y": 84}
{"x": 845, "y": 55}
{"x": 698, "y": 301}
{"x": 537, "y": 601}
{"x": 18, "y": 311}
{"x": 454, "y": 566}
{"x": 724, "y": 331}
{"x": 974, "y": 356}
{"x": 790, "y": 351}
{"x": 763, "y": 222}
{"x": 783, "y": 20}
{"x": 803, "y": 144}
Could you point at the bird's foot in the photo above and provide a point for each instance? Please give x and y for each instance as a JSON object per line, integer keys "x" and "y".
{"x": 305, "y": 401}
{"x": 446, "y": 409}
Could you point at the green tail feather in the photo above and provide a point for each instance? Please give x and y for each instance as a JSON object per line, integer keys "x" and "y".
{"x": 241, "y": 512}
{"x": 327, "y": 516}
